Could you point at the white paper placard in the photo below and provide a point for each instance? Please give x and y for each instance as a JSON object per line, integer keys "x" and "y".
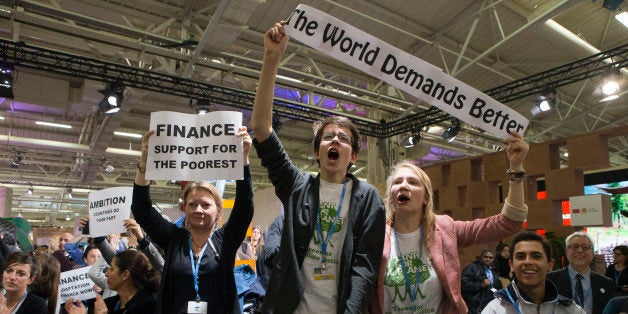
{"x": 107, "y": 210}
{"x": 76, "y": 284}
{"x": 192, "y": 147}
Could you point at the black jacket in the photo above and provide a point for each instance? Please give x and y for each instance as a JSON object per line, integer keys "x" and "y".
{"x": 602, "y": 287}
{"x": 142, "y": 302}
{"x": 473, "y": 294}
{"x": 216, "y": 283}
{"x": 363, "y": 244}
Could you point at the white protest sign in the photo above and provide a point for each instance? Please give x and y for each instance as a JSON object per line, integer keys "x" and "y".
{"x": 107, "y": 210}
{"x": 76, "y": 284}
{"x": 398, "y": 68}
{"x": 195, "y": 147}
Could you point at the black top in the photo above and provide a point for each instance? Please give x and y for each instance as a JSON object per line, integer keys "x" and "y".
{"x": 620, "y": 278}
{"x": 142, "y": 303}
{"x": 501, "y": 265}
{"x": 216, "y": 281}
{"x": 32, "y": 305}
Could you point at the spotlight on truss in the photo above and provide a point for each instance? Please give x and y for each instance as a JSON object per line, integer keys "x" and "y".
{"x": 114, "y": 94}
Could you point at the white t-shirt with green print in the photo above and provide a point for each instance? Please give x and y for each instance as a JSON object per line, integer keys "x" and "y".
{"x": 429, "y": 293}
{"x": 321, "y": 286}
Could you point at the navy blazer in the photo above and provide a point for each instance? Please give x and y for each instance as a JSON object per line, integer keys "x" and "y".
{"x": 602, "y": 288}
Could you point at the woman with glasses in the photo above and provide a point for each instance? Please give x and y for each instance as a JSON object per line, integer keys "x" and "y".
{"x": 617, "y": 271}
{"x": 20, "y": 270}
{"x": 420, "y": 269}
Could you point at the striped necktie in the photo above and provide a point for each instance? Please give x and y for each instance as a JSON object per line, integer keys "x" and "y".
{"x": 579, "y": 290}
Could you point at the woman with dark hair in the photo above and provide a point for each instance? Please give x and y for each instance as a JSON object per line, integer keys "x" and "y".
{"x": 502, "y": 252}
{"x": 46, "y": 285}
{"x": 617, "y": 271}
{"x": 20, "y": 270}
{"x": 132, "y": 276}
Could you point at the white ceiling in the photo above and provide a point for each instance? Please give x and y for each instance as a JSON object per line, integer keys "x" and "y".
{"x": 485, "y": 44}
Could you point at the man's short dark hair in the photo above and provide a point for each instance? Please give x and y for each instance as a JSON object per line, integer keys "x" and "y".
{"x": 531, "y": 236}
{"x": 338, "y": 121}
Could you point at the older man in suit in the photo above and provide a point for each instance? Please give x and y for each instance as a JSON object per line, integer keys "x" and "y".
{"x": 589, "y": 289}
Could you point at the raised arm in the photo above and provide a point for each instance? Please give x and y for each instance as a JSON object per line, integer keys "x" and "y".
{"x": 158, "y": 228}
{"x": 275, "y": 42}
{"x": 516, "y": 153}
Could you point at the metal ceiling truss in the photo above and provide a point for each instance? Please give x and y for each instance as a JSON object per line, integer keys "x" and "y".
{"x": 24, "y": 55}
{"x": 597, "y": 64}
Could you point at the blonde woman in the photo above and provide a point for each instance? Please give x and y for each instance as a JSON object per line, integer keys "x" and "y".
{"x": 420, "y": 270}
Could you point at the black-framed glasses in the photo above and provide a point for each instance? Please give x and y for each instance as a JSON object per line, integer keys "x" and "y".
{"x": 343, "y": 138}
{"x": 576, "y": 247}
{"x": 488, "y": 257}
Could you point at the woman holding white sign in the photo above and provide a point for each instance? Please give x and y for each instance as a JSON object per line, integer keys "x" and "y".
{"x": 199, "y": 259}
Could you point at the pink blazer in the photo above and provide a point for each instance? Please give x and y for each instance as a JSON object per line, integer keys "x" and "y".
{"x": 449, "y": 235}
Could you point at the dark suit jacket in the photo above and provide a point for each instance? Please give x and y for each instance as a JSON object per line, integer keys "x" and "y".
{"x": 602, "y": 288}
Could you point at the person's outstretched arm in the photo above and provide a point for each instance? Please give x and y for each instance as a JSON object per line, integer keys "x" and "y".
{"x": 275, "y": 42}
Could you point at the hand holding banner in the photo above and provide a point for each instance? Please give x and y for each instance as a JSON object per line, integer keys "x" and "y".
{"x": 402, "y": 70}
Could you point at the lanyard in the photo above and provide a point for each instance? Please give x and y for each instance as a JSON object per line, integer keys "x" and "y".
{"x": 331, "y": 230}
{"x": 19, "y": 303}
{"x": 516, "y": 305}
{"x": 196, "y": 266}
{"x": 617, "y": 275}
{"x": 412, "y": 290}
{"x": 575, "y": 295}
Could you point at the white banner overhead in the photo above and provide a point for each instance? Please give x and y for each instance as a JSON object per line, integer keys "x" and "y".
{"x": 398, "y": 68}
{"x": 195, "y": 147}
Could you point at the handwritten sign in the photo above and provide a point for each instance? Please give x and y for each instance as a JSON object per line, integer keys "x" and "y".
{"x": 107, "y": 210}
{"x": 195, "y": 147}
{"x": 402, "y": 70}
{"x": 76, "y": 284}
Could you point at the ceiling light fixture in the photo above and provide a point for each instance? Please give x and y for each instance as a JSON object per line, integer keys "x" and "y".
{"x": 67, "y": 217}
{"x": 127, "y": 134}
{"x": 610, "y": 85}
{"x": 30, "y": 190}
{"x": 16, "y": 160}
{"x": 68, "y": 191}
{"x": 114, "y": 94}
{"x": 411, "y": 140}
{"x": 622, "y": 17}
{"x": 450, "y": 133}
{"x": 55, "y": 125}
{"x": 545, "y": 104}
{"x": 202, "y": 106}
{"x": 612, "y": 5}
{"x": 109, "y": 168}
{"x": 6, "y": 81}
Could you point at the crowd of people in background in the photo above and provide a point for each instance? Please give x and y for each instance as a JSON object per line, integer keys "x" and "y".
{"x": 337, "y": 247}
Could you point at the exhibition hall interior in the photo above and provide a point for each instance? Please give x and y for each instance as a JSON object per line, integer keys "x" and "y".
{"x": 552, "y": 61}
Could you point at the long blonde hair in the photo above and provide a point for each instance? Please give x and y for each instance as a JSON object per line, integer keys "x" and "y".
{"x": 428, "y": 209}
